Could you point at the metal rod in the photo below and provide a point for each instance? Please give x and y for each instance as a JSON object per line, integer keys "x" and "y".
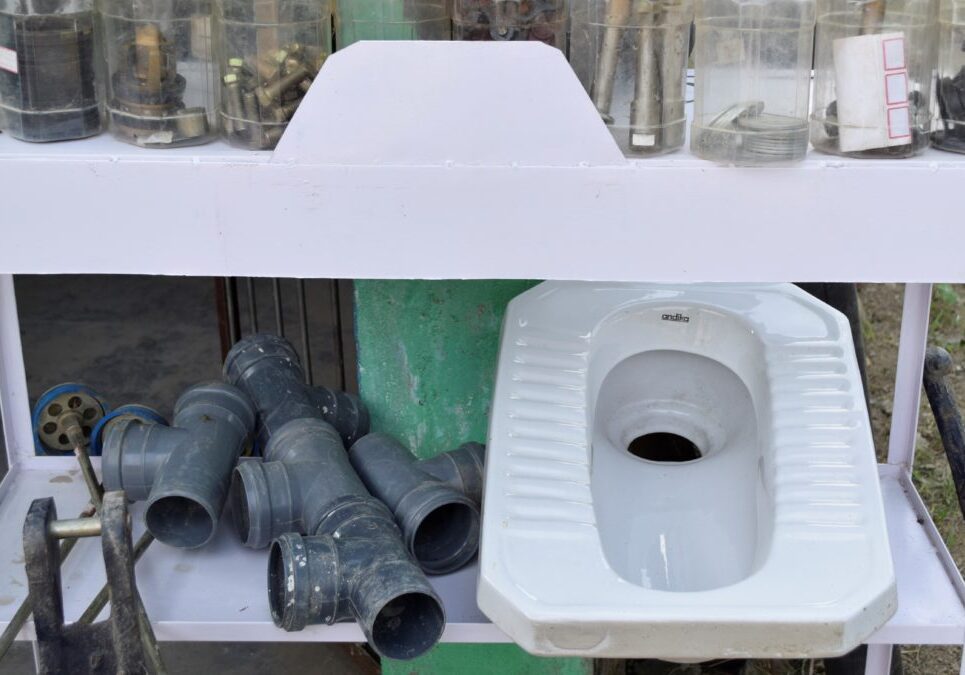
{"x": 23, "y": 612}
{"x": 252, "y": 305}
{"x": 337, "y": 336}
{"x": 303, "y": 326}
{"x": 279, "y": 317}
{"x": 617, "y": 12}
{"x": 231, "y": 298}
{"x": 645, "y": 109}
{"x": 75, "y": 527}
{"x": 908, "y": 375}
{"x": 100, "y": 600}
{"x": 94, "y": 487}
{"x": 148, "y": 638}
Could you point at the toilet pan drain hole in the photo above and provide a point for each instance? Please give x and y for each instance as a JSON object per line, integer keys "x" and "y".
{"x": 663, "y": 446}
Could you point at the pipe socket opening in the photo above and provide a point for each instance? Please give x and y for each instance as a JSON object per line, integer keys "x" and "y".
{"x": 238, "y": 497}
{"x": 277, "y": 584}
{"x": 447, "y": 537}
{"x": 179, "y": 521}
{"x": 664, "y": 447}
{"x": 407, "y": 626}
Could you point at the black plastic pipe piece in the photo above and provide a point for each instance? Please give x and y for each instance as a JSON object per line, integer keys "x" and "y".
{"x": 184, "y": 471}
{"x": 462, "y": 469}
{"x": 342, "y": 410}
{"x": 352, "y": 563}
{"x": 440, "y": 525}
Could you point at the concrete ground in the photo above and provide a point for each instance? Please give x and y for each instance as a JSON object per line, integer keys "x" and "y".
{"x": 145, "y": 339}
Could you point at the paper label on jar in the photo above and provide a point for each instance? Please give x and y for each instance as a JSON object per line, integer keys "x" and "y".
{"x": 8, "y": 60}
{"x": 871, "y": 83}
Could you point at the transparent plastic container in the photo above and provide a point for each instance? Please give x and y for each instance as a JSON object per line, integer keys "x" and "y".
{"x": 50, "y": 68}
{"x": 542, "y": 20}
{"x": 950, "y": 132}
{"x": 161, "y": 73}
{"x": 873, "y": 75}
{"x": 269, "y": 52}
{"x": 753, "y": 69}
{"x": 631, "y": 55}
{"x": 391, "y": 20}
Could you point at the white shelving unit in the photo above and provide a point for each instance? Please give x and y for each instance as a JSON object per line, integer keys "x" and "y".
{"x": 423, "y": 160}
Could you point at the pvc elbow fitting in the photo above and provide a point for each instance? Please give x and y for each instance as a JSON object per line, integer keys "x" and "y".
{"x": 359, "y": 572}
{"x": 184, "y": 471}
{"x": 440, "y": 525}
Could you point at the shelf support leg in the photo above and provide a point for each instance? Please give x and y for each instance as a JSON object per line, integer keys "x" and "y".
{"x": 908, "y": 374}
{"x": 14, "y": 402}
{"x": 879, "y": 660}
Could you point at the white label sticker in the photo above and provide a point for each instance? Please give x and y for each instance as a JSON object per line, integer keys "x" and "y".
{"x": 871, "y": 83}
{"x": 896, "y": 89}
{"x": 8, "y": 60}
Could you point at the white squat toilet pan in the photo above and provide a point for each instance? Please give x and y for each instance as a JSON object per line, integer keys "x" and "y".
{"x": 681, "y": 472}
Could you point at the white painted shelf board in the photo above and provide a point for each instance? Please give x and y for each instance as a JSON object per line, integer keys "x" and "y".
{"x": 218, "y": 593}
{"x": 344, "y": 197}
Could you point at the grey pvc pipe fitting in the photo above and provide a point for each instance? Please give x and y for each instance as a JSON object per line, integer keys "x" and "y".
{"x": 440, "y": 524}
{"x": 184, "y": 471}
{"x": 352, "y": 563}
{"x": 462, "y": 469}
{"x": 342, "y": 410}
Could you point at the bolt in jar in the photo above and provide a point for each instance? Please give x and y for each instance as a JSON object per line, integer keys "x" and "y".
{"x": 162, "y": 77}
{"x": 873, "y": 76}
{"x": 50, "y": 87}
{"x": 391, "y": 20}
{"x": 950, "y": 133}
{"x": 269, "y": 52}
{"x": 753, "y": 70}
{"x": 631, "y": 55}
{"x": 503, "y": 20}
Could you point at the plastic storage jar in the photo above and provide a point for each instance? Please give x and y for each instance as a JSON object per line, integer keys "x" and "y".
{"x": 631, "y": 55}
{"x": 162, "y": 77}
{"x": 753, "y": 72}
{"x": 49, "y": 70}
{"x": 269, "y": 50}
{"x": 542, "y": 20}
{"x": 873, "y": 71}
{"x": 391, "y": 20}
{"x": 950, "y": 133}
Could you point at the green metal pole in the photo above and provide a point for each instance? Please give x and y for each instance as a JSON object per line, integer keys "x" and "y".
{"x": 426, "y": 360}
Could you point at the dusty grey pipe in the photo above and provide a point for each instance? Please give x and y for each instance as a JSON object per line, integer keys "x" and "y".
{"x": 440, "y": 524}
{"x": 184, "y": 471}
{"x": 462, "y": 469}
{"x": 352, "y": 563}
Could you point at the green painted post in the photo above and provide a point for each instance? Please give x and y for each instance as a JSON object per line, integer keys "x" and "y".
{"x": 426, "y": 363}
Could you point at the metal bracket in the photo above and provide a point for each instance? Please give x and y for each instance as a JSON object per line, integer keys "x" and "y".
{"x": 111, "y": 646}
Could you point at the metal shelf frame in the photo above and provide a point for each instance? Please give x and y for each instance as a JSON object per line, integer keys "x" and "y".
{"x": 342, "y": 197}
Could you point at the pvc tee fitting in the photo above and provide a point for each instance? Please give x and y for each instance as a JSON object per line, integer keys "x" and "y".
{"x": 440, "y": 524}
{"x": 353, "y": 562}
{"x": 184, "y": 471}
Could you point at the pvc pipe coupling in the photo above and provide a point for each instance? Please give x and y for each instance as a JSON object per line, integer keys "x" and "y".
{"x": 184, "y": 471}
{"x": 439, "y": 522}
{"x": 351, "y": 562}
